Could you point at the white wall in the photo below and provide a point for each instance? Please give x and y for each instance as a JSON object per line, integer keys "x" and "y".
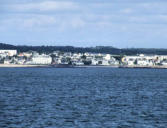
{"x": 9, "y": 52}
{"x": 41, "y": 60}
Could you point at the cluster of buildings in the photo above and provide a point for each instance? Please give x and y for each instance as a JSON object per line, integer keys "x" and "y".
{"x": 57, "y": 57}
{"x": 83, "y": 58}
{"x": 79, "y": 59}
{"x": 145, "y": 60}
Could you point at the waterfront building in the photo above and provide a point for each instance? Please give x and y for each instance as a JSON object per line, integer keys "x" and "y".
{"x": 78, "y": 63}
{"x": 7, "y": 61}
{"x": 140, "y": 60}
{"x": 113, "y": 61}
{"x": 9, "y": 52}
{"x": 94, "y": 62}
{"x": 40, "y": 59}
{"x": 164, "y": 63}
{"x": 105, "y": 63}
{"x": 107, "y": 57}
{"x": 145, "y": 62}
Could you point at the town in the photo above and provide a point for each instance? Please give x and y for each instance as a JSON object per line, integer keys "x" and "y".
{"x": 12, "y": 57}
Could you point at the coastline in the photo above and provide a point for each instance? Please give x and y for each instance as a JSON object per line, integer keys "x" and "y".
{"x": 83, "y": 66}
{"x": 20, "y": 66}
{"x": 152, "y": 67}
{"x": 52, "y": 66}
{"x": 97, "y": 66}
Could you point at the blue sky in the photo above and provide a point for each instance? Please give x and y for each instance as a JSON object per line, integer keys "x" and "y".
{"x": 118, "y": 23}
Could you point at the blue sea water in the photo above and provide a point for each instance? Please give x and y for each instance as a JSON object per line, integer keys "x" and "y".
{"x": 83, "y": 98}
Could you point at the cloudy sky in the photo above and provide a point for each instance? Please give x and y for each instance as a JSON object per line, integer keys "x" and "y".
{"x": 118, "y": 23}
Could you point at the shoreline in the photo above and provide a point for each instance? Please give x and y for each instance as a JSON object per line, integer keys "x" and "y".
{"x": 149, "y": 67}
{"x": 52, "y": 66}
{"x": 20, "y": 66}
{"x": 97, "y": 66}
{"x": 83, "y": 66}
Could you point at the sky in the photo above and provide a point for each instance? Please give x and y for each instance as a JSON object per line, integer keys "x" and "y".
{"x": 85, "y": 23}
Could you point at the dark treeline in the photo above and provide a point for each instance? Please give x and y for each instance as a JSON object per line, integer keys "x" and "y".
{"x": 98, "y": 49}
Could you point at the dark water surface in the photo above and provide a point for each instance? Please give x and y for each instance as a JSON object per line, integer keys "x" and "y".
{"x": 83, "y": 98}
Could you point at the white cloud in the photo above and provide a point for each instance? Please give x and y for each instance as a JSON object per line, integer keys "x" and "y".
{"x": 39, "y": 21}
{"x": 30, "y": 22}
{"x": 45, "y": 6}
{"x": 34, "y": 22}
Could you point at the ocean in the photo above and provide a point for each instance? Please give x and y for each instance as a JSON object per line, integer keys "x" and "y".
{"x": 83, "y": 98}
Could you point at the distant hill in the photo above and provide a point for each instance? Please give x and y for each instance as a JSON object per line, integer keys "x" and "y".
{"x": 7, "y": 46}
{"x": 98, "y": 49}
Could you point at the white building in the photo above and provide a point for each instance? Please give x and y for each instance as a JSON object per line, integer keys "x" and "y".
{"x": 140, "y": 60}
{"x": 100, "y": 62}
{"x": 40, "y": 59}
{"x": 105, "y": 62}
{"x": 78, "y": 63}
{"x": 94, "y": 62}
{"x": 107, "y": 57}
{"x": 113, "y": 61}
{"x": 145, "y": 62}
{"x": 129, "y": 60}
{"x": 7, "y": 61}
{"x": 164, "y": 63}
{"x": 9, "y": 52}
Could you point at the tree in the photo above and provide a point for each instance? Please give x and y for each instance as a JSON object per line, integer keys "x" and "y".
{"x": 83, "y": 57}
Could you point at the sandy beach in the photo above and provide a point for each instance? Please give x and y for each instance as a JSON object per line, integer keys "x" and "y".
{"x": 85, "y": 66}
{"x": 20, "y": 65}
